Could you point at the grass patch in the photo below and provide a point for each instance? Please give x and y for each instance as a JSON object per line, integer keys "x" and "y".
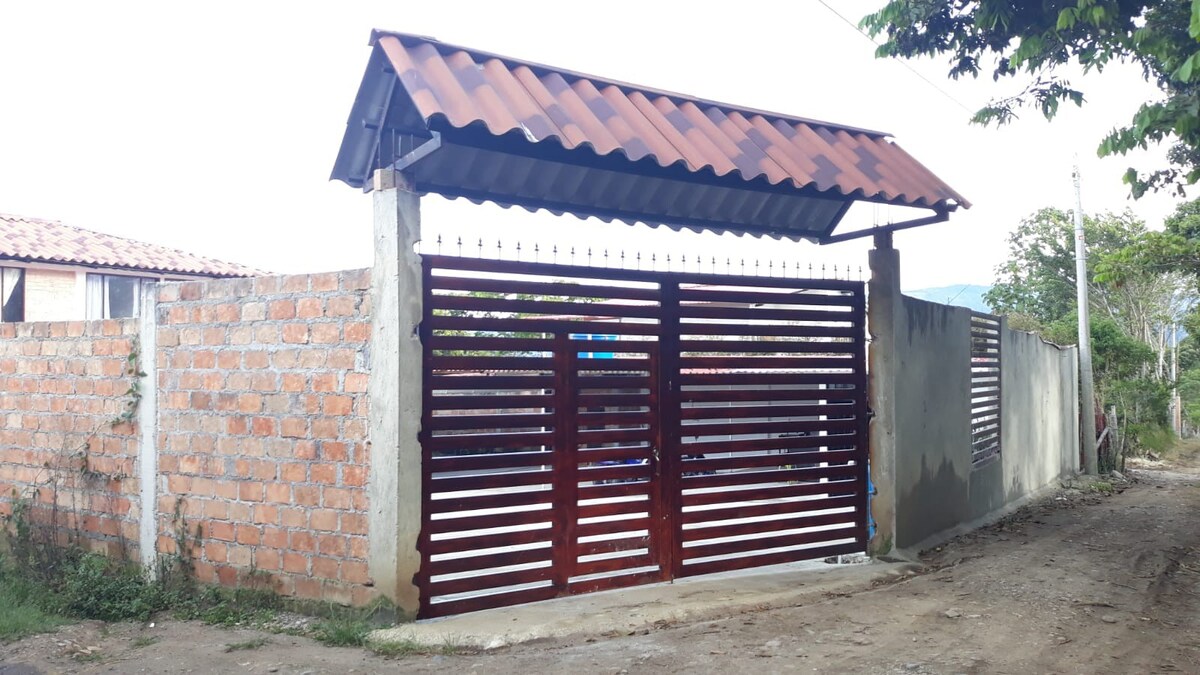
{"x": 20, "y": 613}
{"x": 252, "y": 643}
{"x": 144, "y": 641}
{"x": 450, "y": 646}
{"x": 343, "y": 631}
{"x": 1102, "y": 486}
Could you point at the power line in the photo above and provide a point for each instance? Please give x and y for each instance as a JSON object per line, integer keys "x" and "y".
{"x": 902, "y": 62}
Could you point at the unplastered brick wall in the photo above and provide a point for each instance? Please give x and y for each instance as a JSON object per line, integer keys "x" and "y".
{"x": 62, "y": 386}
{"x": 262, "y": 429}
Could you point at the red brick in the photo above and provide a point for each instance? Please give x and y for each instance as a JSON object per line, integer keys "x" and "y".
{"x": 354, "y": 476}
{"x": 246, "y": 534}
{"x": 274, "y": 537}
{"x": 309, "y": 308}
{"x": 323, "y": 520}
{"x": 306, "y": 495}
{"x": 295, "y": 283}
{"x": 325, "y": 568}
{"x": 308, "y": 589}
{"x": 293, "y": 427}
{"x": 325, "y": 428}
{"x": 250, "y": 491}
{"x": 249, "y": 403}
{"x": 302, "y": 541}
{"x": 333, "y": 451}
{"x": 355, "y": 383}
{"x": 304, "y": 450}
{"x": 324, "y": 382}
{"x": 353, "y": 523}
{"x": 294, "y": 383}
{"x": 295, "y": 333}
{"x": 295, "y": 563}
{"x": 266, "y": 559}
{"x": 293, "y": 518}
{"x": 355, "y": 572}
{"x": 337, "y": 405}
{"x": 263, "y": 426}
{"x": 342, "y": 359}
{"x": 281, "y": 309}
{"x": 325, "y": 333}
{"x": 357, "y": 331}
{"x": 333, "y": 545}
{"x": 326, "y": 281}
{"x": 342, "y": 305}
{"x": 335, "y": 498}
{"x": 293, "y": 472}
{"x": 215, "y": 551}
{"x": 257, "y": 359}
{"x": 279, "y": 493}
{"x": 323, "y": 473}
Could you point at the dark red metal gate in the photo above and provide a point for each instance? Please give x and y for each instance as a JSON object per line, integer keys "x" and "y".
{"x": 589, "y": 428}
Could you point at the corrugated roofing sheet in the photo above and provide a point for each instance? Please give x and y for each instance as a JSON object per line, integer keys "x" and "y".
{"x": 549, "y": 138}
{"x": 37, "y": 240}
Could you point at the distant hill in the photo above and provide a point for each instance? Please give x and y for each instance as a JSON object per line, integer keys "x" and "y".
{"x": 968, "y": 295}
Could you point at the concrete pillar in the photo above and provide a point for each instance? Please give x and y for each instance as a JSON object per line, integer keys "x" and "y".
{"x": 394, "y": 390}
{"x": 883, "y": 303}
{"x": 147, "y": 426}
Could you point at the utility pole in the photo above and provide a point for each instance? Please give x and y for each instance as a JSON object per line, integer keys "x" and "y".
{"x": 1176, "y": 408}
{"x": 1087, "y": 397}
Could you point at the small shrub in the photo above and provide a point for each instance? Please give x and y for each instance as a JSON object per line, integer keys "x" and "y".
{"x": 252, "y": 643}
{"x": 99, "y": 588}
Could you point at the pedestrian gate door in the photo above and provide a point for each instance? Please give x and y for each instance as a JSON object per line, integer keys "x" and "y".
{"x": 588, "y": 428}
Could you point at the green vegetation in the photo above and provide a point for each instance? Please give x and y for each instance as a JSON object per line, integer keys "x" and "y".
{"x": 343, "y": 631}
{"x": 252, "y": 643}
{"x": 143, "y": 641}
{"x": 1035, "y": 42}
{"x": 21, "y": 613}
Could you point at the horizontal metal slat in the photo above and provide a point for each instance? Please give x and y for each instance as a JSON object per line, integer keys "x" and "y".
{"x": 489, "y": 521}
{"x": 489, "y": 581}
{"x": 549, "y": 287}
{"x": 770, "y": 508}
{"x": 489, "y": 441}
{"x": 745, "y": 545}
{"x": 474, "y": 604}
{"x": 489, "y": 561}
{"x": 782, "y": 476}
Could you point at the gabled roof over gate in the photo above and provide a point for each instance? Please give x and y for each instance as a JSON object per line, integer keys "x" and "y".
{"x": 465, "y": 123}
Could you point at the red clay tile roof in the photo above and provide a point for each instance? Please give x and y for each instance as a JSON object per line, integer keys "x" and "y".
{"x": 37, "y": 240}
{"x": 538, "y": 112}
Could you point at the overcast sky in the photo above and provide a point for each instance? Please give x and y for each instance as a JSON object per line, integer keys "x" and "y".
{"x": 212, "y": 127}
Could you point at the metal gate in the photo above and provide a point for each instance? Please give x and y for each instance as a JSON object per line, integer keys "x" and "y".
{"x": 589, "y": 428}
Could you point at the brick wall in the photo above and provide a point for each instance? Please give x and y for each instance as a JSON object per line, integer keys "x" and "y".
{"x": 61, "y": 385}
{"x": 262, "y": 428}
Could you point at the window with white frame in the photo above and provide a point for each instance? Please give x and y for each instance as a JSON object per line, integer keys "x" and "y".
{"x": 12, "y": 294}
{"x": 110, "y": 296}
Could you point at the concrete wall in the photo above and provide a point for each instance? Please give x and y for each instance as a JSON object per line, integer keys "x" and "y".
{"x": 937, "y": 489}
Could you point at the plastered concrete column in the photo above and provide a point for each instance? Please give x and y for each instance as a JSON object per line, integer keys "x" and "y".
{"x": 394, "y": 389}
{"x": 883, "y": 301}
{"x": 147, "y": 425}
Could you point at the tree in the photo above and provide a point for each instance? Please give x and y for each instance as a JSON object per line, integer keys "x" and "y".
{"x": 1038, "y": 279}
{"x": 1034, "y": 40}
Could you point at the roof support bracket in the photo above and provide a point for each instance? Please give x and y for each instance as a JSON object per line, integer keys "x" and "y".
{"x": 418, "y": 153}
{"x": 940, "y": 216}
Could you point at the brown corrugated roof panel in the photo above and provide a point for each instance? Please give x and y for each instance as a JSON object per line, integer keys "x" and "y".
{"x": 465, "y": 123}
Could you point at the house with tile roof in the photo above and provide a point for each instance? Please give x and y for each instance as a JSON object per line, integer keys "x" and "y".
{"x": 50, "y": 271}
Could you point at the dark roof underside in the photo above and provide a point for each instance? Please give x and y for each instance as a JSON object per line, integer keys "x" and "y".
{"x": 463, "y": 123}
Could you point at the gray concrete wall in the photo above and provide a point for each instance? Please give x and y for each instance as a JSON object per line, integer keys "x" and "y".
{"x": 938, "y": 491}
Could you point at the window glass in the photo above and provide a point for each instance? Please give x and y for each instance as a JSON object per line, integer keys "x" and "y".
{"x": 112, "y": 297}
{"x": 122, "y": 296}
{"x": 12, "y": 294}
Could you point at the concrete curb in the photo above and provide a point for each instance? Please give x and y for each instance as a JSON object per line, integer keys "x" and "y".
{"x": 630, "y": 610}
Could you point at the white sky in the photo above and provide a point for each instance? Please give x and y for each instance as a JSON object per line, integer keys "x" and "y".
{"x": 212, "y": 127}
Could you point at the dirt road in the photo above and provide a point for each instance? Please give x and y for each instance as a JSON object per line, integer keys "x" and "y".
{"x": 1078, "y": 583}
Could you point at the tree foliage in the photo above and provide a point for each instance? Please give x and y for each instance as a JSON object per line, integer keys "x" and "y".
{"x": 1038, "y": 278}
{"x": 1032, "y": 41}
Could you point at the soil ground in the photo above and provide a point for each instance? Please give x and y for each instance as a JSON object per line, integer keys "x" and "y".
{"x": 1079, "y": 582}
